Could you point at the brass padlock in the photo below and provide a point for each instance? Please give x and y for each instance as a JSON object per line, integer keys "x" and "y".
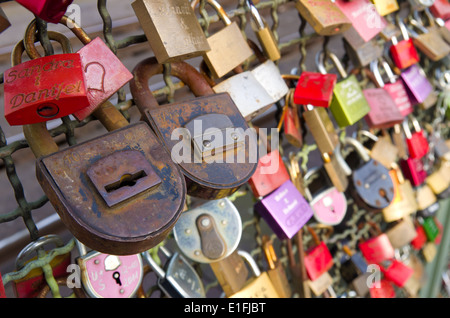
{"x": 322, "y": 128}
{"x": 402, "y": 233}
{"x": 172, "y": 29}
{"x": 217, "y": 152}
{"x": 385, "y": 7}
{"x": 439, "y": 184}
{"x": 427, "y": 203}
{"x": 324, "y": 16}
{"x": 231, "y": 273}
{"x": 229, "y": 48}
{"x": 383, "y": 150}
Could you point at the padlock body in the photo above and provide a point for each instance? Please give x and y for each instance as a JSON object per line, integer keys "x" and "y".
{"x": 384, "y": 290}
{"x": 318, "y": 260}
{"x": 348, "y": 104}
{"x": 402, "y": 233}
{"x": 257, "y": 287}
{"x": 322, "y": 128}
{"x": 104, "y": 75}
{"x": 329, "y": 206}
{"x": 383, "y": 113}
{"x": 30, "y": 285}
{"x": 120, "y": 280}
{"x": 417, "y": 84}
{"x": 398, "y": 273}
{"x": 384, "y": 7}
{"x": 161, "y": 20}
{"x": 268, "y": 43}
{"x": 98, "y": 208}
{"x": 431, "y": 229}
{"x": 421, "y": 238}
{"x": 315, "y": 89}
{"x": 270, "y": 174}
{"x": 377, "y": 249}
{"x": 441, "y": 9}
{"x": 361, "y": 53}
{"x": 285, "y": 210}
{"x": 417, "y": 145}
{"x": 413, "y": 170}
{"x": 231, "y": 273}
{"x": 432, "y": 45}
{"x": 279, "y": 281}
{"x": 404, "y": 54}
{"x": 47, "y": 10}
{"x": 400, "y": 96}
{"x": 46, "y": 88}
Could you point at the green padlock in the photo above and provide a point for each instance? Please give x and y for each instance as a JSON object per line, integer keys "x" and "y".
{"x": 349, "y": 103}
{"x": 431, "y": 229}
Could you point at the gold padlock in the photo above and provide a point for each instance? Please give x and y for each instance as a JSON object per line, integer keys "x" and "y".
{"x": 172, "y": 29}
{"x": 402, "y": 233}
{"x": 229, "y": 48}
{"x": 385, "y": 7}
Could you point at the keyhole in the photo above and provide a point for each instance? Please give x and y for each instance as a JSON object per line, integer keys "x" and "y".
{"x": 383, "y": 194}
{"x": 127, "y": 180}
{"x": 116, "y": 276}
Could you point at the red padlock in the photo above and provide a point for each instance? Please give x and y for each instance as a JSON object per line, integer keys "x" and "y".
{"x": 270, "y": 172}
{"x": 441, "y": 9}
{"x": 315, "y": 89}
{"x": 47, "y": 10}
{"x": 413, "y": 170}
{"x": 421, "y": 238}
{"x": 416, "y": 141}
{"x": 378, "y": 248}
{"x": 2, "y": 288}
{"x": 397, "y": 272}
{"x": 103, "y": 71}
{"x": 403, "y": 53}
{"x": 384, "y": 290}
{"x": 45, "y": 88}
{"x": 318, "y": 259}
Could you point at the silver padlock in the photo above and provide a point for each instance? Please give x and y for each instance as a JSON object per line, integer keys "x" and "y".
{"x": 178, "y": 279}
{"x": 109, "y": 276}
{"x": 209, "y": 232}
{"x": 255, "y": 91}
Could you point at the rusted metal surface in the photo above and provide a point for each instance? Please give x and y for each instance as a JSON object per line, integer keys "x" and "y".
{"x": 208, "y": 180}
{"x": 135, "y": 224}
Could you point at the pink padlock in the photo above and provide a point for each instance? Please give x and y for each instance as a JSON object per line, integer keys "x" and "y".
{"x": 47, "y": 10}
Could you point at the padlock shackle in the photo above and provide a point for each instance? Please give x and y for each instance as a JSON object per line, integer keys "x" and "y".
{"x": 250, "y": 261}
{"x": 153, "y": 265}
{"x": 362, "y": 152}
{"x": 217, "y": 7}
{"x": 144, "y": 70}
{"x": 341, "y": 161}
{"x": 314, "y": 235}
{"x": 255, "y": 15}
{"x": 269, "y": 251}
{"x": 375, "y": 70}
{"x": 320, "y": 63}
{"x": 35, "y": 245}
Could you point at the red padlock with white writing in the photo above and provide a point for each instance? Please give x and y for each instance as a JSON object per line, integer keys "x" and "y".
{"x": 47, "y": 10}
{"x": 378, "y": 248}
{"x": 318, "y": 259}
{"x": 103, "y": 71}
{"x": 45, "y": 88}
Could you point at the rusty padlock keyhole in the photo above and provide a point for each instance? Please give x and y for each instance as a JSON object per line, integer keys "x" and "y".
{"x": 127, "y": 180}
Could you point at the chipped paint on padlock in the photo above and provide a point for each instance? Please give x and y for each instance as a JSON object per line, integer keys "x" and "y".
{"x": 135, "y": 224}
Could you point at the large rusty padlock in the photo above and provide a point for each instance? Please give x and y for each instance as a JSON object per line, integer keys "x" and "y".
{"x": 217, "y": 146}
{"x": 119, "y": 193}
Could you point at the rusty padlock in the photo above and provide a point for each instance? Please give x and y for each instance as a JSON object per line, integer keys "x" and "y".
{"x": 212, "y": 129}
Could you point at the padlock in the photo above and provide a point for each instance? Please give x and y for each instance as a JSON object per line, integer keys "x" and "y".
{"x": 255, "y": 91}
{"x": 441, "y": 9}
{"x": 44, "y": 88}
{"x": 421, "y": 238}
{"x": 403, "y": 53}
{"x": 29, "y": 286}
{"x": 258, "y": 286}
{"x": 217, "y": 152}
{"x": 398, "y": 138}
{"x": 439, "y": 184}
{"x": 2, "y": 288}
{"x": 264, "y": 34}
{"x": 360, "y": 52}
{"x": 384, "y": 112}
{"x": 324, "y": 16}
{"x": 429, "y": 252}
{"x": 371, "y": 185}
{"x": 109, "y": 276}
{"x": 103, "y": 71}
{"x": 315, "y": 89}
{"x": 430, "y": 227}
{"x": 285, "y": 210}
{"x": 385, "y": 7}
{"x": 276, "y": 271}
{"x": 229, "y": 48}
{"x": 348, "y": 104}
{"x": 416, "y": 141}
{"x": 231, "y": 273}
{"x": 161, "y": 20}
{"x": 394, "y": 86}
{"x": 321, "y": 285}
{"x": 335, "y": 170}
{"x": 436, "y": 24}
{"x": 384, "y": 290}
{"x": 417, "y": 84}
{"x": 397, "y": 272}
{"x": 210, "y": 232}
{"x": 352, "y": 266}
{"x": 382, "y": 150}
{"x": 419, "y": 5}
{"x": 329, "y": 205}
{"x": 271, "y": 172}
{"x": 177, "y": 278}
{"x": 293, "y": 131}
{"x": 378, "y": 248}
{"x": 109, "y": 195}
{"x": 429, "y": 43}
{"x": 413, "y": 170}
{"x": 4, "y": 22}
{"x": 48, "y": 10}
{"x": 318, "y": 259}
{"x": 404, "y": 202}
{"x": 364, "y": 17}
{"x": 418, "y": 279}
{"x": 299, "y": 277}
{"x": 402, "y": 233}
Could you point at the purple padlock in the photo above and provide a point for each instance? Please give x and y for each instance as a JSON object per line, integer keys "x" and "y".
{"x": 416, "y": 83}
{"x": 285, "y": 210}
